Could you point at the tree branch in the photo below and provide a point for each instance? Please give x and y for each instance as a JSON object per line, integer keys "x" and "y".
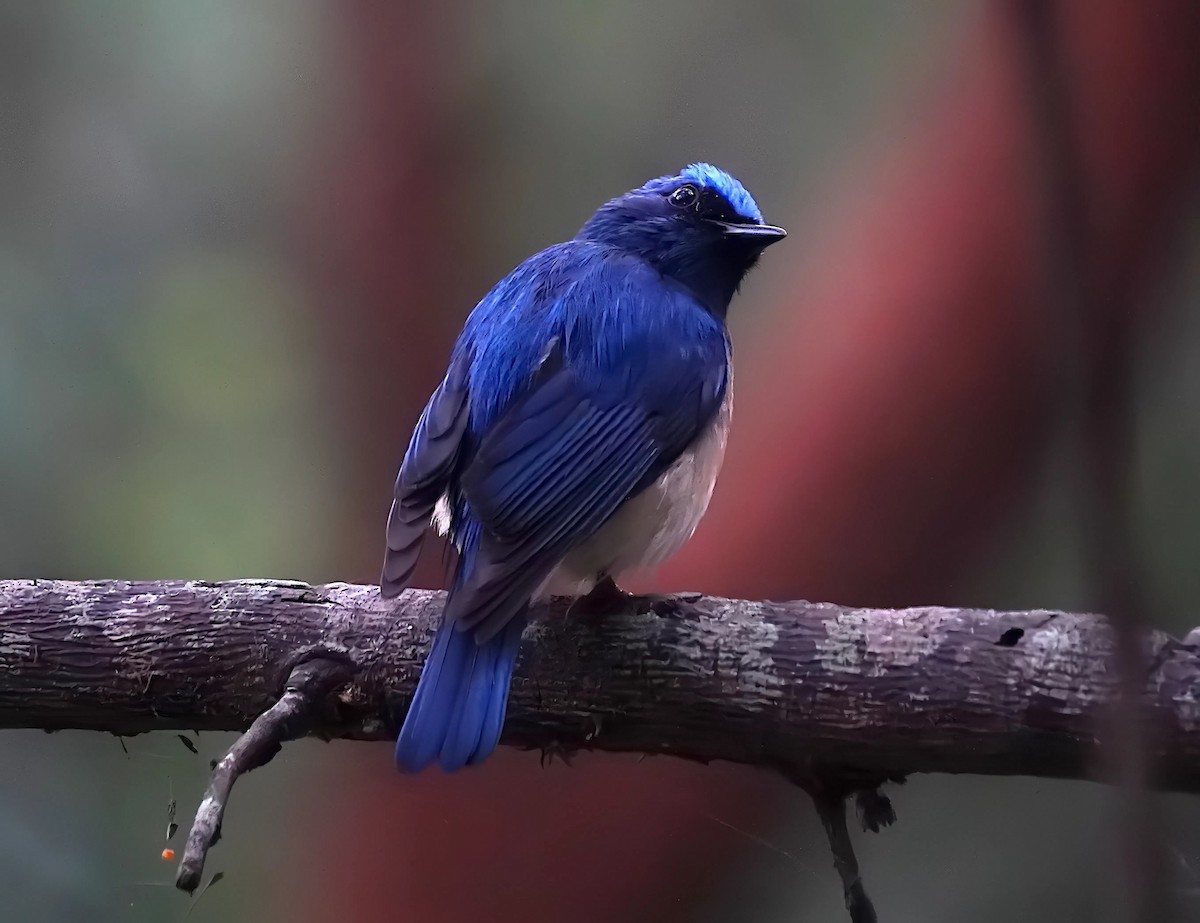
{"x": 838, "y": 700}
{"x": 793, "y": 686}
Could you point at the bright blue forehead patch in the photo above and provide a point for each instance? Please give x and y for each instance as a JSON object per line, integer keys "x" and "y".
{"x": 706, "y": 175}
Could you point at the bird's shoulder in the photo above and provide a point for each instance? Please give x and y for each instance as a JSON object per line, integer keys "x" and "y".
{"x": 568, "y": 276}
{"x": 612, "y": 316}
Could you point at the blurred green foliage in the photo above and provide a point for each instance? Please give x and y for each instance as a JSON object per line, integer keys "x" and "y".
{"x": 162, "y": 398}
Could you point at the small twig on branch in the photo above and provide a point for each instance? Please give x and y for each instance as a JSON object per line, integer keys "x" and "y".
{"x": 875, "y": 809}
{"x": 287, "y": 719}
{"x": 830, "y": 788}
{"x": 831, "y": 807}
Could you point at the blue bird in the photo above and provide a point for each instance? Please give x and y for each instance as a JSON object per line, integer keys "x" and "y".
{"x": 577, "y": 435}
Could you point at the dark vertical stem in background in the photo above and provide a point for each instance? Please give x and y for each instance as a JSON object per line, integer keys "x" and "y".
{"x": 1092, "y": 350}
{"x": 387, "y": 247}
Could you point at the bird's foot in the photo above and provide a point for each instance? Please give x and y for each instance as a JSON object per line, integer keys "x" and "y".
{"x": 605, "y": 598}
{"x": 608, "y": 599}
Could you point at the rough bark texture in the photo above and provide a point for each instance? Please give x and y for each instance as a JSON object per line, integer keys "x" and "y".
{"x": 792, "y": 685}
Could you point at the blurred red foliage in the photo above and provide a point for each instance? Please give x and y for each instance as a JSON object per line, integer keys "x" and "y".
{"x": 897, "y": 407}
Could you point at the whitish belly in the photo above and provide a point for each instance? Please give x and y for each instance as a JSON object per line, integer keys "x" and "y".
{"x": 649, "y": 528}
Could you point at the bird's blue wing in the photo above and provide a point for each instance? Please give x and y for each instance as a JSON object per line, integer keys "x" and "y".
{"x": 588, "y": 374}
{"x": 424, "y": 476}
{"x": 537, "y": 464}
{"x": 606, "y": 413}
{"x": 552, "y": 471}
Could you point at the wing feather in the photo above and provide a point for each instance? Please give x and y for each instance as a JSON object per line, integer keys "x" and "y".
{"x": 424, "y": 476}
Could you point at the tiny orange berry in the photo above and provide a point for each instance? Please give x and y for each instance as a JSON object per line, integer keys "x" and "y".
{"x": 168, "y": 854}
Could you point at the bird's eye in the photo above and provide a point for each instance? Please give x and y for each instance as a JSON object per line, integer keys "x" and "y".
{"x": 683, "y": 197}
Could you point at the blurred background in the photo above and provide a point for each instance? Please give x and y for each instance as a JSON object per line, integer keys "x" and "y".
{"x": 237, "y": 241}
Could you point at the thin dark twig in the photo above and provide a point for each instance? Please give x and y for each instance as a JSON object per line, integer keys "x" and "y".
{"x": 1096, "y": 362}
{"x": 830, "y": 787}
{"x": 287, "y": 719}
{"x": 831, "y": 808}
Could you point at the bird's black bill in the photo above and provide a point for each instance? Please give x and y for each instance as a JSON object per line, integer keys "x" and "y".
{"x": 763, "y": 234}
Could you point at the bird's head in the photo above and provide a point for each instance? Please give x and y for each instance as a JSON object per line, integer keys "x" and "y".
{"x": 700, "y": 227}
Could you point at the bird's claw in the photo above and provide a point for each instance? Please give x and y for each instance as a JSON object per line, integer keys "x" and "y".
{"x": 605, "y": 598}
{"x": 608, "y": 599}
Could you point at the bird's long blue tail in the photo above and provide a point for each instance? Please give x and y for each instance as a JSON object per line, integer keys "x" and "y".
{"x": 458, "y": 711}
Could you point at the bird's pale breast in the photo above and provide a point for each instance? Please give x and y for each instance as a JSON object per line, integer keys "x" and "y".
{"x": 651, "y": 526}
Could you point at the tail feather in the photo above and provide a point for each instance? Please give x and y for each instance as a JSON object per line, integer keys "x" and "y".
{"x": 457, "y": 714}
{"x": 493, "y": 722}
